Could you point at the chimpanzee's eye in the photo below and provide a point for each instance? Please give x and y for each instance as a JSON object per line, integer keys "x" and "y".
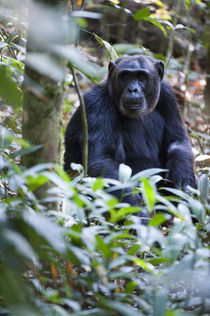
{"x": 142, "y": 75}
{"x": 124, "y": 75}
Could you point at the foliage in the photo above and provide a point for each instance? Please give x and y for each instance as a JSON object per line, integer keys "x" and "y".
{"x": 93, "y": 256}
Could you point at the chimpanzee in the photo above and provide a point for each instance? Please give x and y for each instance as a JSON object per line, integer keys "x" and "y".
{"x": 132, "y": 118}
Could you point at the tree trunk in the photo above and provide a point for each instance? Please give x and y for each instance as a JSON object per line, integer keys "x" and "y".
{"x": 42, "y": 101}
{"x": 42, "y": 94}
{"x": 207, "y": 88}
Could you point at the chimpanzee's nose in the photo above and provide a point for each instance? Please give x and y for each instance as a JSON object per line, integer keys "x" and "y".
{"x": 132, "y": 90}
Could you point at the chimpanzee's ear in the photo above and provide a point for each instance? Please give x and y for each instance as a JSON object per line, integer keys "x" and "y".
{"x": 159, "y": 65}
{"x": 111, "y": 66}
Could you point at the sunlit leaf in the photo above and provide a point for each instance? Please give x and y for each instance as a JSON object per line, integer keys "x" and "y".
{"x": 158, "y": 219}
{"x": 102, "y": 247}
{"x": 148, "y": 194}
{"x": 144, "y": 265}
{"x": 141, "y": 14}
{"x": 36, "y": 182}
{"x": 156, "y": 23}
{"x": 98, "y": 184}
{"x": 112, "y": 52}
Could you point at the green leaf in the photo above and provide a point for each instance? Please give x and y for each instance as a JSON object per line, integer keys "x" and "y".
{"x": 197, "y": 208}
{"x": 156, "y": 23}
{"x": 46, "y": 65}
{"x": 102, "y": 247}
{"x": 203, "y": 186}
{"x": 117, "y": 215}
{"x": 125, "y": 48}
{"x": 158, "y": 219}
{"x": 98, "y": 184}
{"x": 148, "y": 267}
{"x": 147, "y": 173}
{"x": 24, "y": 151}
{"x": 20, "y": 243}
{"x": 78, "y": 61}
{"x": 36, "y": 182}
{"x": 141, "y": 14}
{"x": 112, "y": 52}
{"x": 123, "y": 309}
{"x": 148, "y": 194}
{"x": 47, "y": 229}
{"x": 9, "y": 90}
{"x": 3, "y": 44}
{"x": 179, "y": 193}
{"x": 160, "y": 302}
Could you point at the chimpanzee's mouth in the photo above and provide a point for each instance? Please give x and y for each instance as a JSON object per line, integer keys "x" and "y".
{"x": 134, "y": 107}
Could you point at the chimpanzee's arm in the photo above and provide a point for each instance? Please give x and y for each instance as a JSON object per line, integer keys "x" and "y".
{"x": 179, "y": 156}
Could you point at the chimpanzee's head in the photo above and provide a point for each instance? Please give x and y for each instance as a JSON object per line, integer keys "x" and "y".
{"x": 134, "y": 84}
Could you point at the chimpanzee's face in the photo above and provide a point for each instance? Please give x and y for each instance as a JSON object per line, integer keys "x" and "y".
{"x": 134, "y": 84}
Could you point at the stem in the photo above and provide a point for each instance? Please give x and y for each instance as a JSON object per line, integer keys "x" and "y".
{"x": 171, "y": 39}
{"x": 84, "y": 122}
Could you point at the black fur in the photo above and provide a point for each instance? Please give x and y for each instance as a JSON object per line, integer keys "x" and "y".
{"x": 133, "y": 121}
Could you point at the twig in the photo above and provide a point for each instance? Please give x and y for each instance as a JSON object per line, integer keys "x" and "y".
{"x": 171, "y": 39}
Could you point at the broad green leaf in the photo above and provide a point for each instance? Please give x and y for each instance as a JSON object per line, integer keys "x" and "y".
{"x": 6, "y": 137}
{"x": 9, "y": 90}
{"x": 160, "y": 302}
{"x": 203, "y": 186}
{"x": 130, "y": 287}
{"x": 47, "y": 229}
{"x": 148, "y": 267}
{"x": 148, "y": 194}
{"x": 20, "y": 244}
{"x": 36, "y": 182}
{"x": 141, "y": 14}
{"x": 117, "y": 215}
{"x": 46, "y": 65}
{"x": 102, "y": 247}
{"x": 170, "y": 207}
{"x": 98, "y": 184}
{"x": 197, "y": 208}
{"x": 133, "y": 250}
{"x": 78, "y": 61}
{"x": 158, "y": 219}
{"x": 24, "y": 151}
{"x": 123, "y": 309}
{"x": 156, "y": 23}
{"x": 125, "y": 48}
{"x": 179, "y": 193}
{"x": 147, "y": 173}
{"x": 3, "y": 44}
{"x": 112, "y": 52}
